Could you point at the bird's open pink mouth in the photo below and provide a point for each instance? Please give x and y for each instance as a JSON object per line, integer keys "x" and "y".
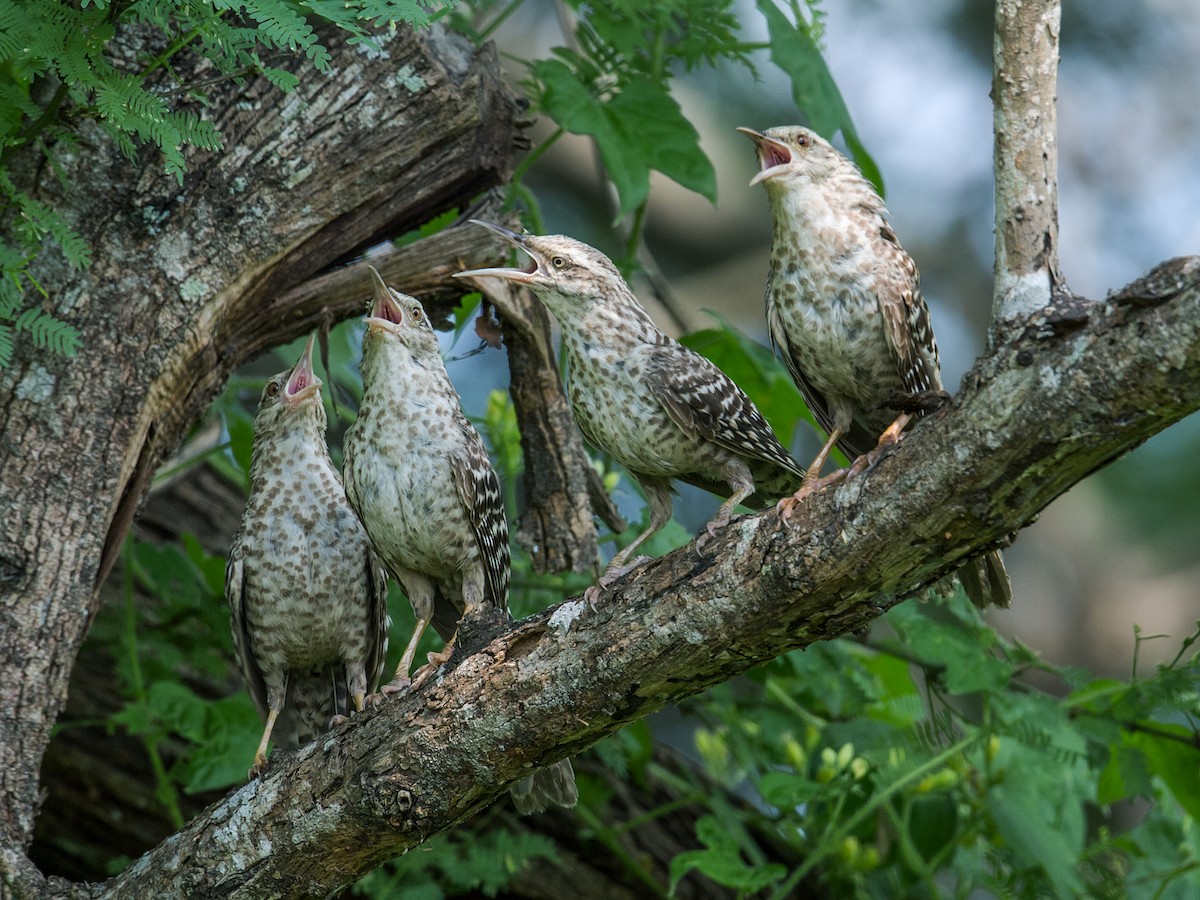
{"x": 773, "y": 154}
{"x": 303, "y": 382}
{"x": 298, "y": 382}
{"x": 385, "y": 310}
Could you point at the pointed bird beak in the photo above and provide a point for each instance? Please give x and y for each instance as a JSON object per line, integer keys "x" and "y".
{"x": 773, "y": 155}
{"x": 385, "y": 311}
{"x": 523, "y": 276}
{"x": 303, "y": 382}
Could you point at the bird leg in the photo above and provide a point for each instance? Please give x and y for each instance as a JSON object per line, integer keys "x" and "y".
{"x": 658, "y": 499}
{"x": 813, "y": 475}
{"x": 275, "y": 699}
{"x": 472, "y": 592}
{"x": 357, "y": 683}
{"x": 358, "y": 696}
{"x": 889, "y": 437}
{"x": 400, "y": 682}
{"x": 812, "y": 478}
{"x": 741, "y": 482}
{"x": 420, "y": 592}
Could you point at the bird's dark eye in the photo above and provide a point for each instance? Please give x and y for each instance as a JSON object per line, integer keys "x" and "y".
{"x": 273, "y": 388}
{"x": 558, "y": 262}
{"x": 415, "y": 312}
{"x": 802, "y": 140}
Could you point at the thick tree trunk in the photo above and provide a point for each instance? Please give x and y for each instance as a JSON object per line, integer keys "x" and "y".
{"x": 187, "y": 283}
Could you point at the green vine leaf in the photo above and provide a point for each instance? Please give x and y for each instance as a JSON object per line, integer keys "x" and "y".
{"x": 637, "y": 130}
{"x": 795, "y": 50}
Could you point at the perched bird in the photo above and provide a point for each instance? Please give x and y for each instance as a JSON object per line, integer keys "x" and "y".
{"x": 418, "y": 475}
{"x": 845, "y": 311}
{"x": 307, "y": 594}
{"x": 659, "y": 408}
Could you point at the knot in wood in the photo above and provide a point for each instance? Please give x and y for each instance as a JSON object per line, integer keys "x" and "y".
{"x": 12, "y": 567}
{"x": 389, "y": 797}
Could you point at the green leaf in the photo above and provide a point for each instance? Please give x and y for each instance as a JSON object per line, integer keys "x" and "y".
{"x": 813, "y": 88}
{"x": 897, "y": 697}
{"x": 135, "y": 716}
{"x": 965, "y": 655}
{"x": 933, "y": 824}
{"x": 49, "y": 332}
{"x": 1175, "y": 761}
{"x": 721, "y": 860}
{"x": 1026, "y": 823}
{"x": 225, "y": 750}
{"x": 787, "y": 790}
{"x": 1126, "y": 774}
{"x": 239, "y": 425}
{"x": 210, "y": 566}
{"x": 178, "y": 708}
{"x": 628, "y": 751}
{"x": 639, "y": 129}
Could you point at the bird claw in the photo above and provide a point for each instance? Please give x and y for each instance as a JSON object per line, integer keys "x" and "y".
{"x": 609, "y": 577}
{"x": 401, "y": 685}
{"x": 871, "y": 457}
{"x": 426, "y": 672}
{"x": 260, "y": 765}
{"x": 787, "y": 506}
{"x": 710, "y": 532}
{"x": 591, "y": 595}
{"x": 438, "y": 658}
{"x": 336, "y": 720}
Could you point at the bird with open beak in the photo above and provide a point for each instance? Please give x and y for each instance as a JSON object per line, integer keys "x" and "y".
{"x": 418, "y": 474}
{"x": 845, "y": 311}
{"x": 307, "y": 594}
{"x": 660, "y": 409}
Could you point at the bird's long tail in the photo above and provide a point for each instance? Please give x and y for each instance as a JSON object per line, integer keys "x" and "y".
{"x": 986, "y": 581}
{"x": 554, "y": 784}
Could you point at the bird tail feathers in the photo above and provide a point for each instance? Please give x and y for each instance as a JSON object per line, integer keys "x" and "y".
{"x": 554, "y": 784}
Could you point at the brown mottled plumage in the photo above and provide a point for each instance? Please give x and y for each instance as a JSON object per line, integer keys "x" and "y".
{"x": 659, "y": 408}
{"x": 418, "y": 474}
{"x": 308, "y": 596}
{"x": 845, "y": 310}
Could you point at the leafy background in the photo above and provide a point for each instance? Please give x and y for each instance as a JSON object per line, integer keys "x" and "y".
{"x": 935, "y": 755}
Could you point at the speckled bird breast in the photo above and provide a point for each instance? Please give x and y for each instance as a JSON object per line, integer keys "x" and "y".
{"x": 398, "y": 473}
{"x": 308, "y": 601}
{"x": 617, "y": 413}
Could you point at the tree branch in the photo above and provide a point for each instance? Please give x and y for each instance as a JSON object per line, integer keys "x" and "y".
{"x": 1045, "y": 411}
{"x": 1024, "y": 96}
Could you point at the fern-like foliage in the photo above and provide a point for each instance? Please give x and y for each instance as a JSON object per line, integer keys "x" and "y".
{"x": 56, "y": 69}
{"x": 49, "y": 332}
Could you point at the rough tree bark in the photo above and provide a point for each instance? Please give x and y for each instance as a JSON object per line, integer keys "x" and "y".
{"x": 187, "y": 284}
{"x": 1025, "y": 116}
